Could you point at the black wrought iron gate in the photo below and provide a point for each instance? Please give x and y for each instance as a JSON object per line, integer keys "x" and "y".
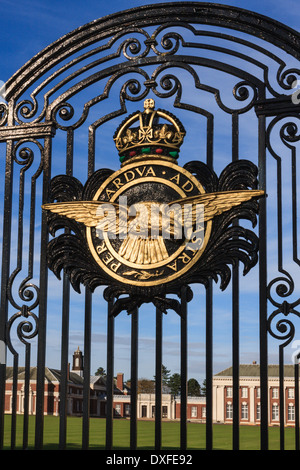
{"x": 231, "y": 76}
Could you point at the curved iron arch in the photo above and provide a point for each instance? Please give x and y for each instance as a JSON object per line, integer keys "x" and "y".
{"x": 187, "y": 12}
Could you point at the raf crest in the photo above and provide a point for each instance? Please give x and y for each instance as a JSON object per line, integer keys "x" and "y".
{"x": 153, "y": 226}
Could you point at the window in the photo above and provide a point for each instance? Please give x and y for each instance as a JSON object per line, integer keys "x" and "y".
{"x": 275, "y": 392}
{"x": 229, "y": 411}
{"x": 291, "y": 412}
{"x": 244, "y": 411}
{"x": 204, "y": 412}
{"x": 127, "y": 409}
{"x": 194, "y": 412}
{"x": 275, "y": 412}
{"x": 244, "y": 392}
{"x": 258, "y": 392}
{"x": 164, "y": 411}
{"x": 118, "y": 410}
{"x": 228, "y": 392}
{"x": 291, "y": 393}
{"x": 258, "y": 412}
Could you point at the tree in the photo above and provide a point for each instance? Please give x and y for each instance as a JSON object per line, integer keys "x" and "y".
{"x": 193, "y": 388}
{"x": 203, "y": 388}
{"x": 100, "y": 371}
{"x": 165, "y": 375}
{"x": 146, "y": 386}
{"x": 175, "y": 383}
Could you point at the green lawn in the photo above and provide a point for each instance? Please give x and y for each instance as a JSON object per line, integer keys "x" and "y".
{"x": 222, "y": 435}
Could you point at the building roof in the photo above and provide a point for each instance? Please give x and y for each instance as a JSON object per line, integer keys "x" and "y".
{"x": 253, "y": 370}
{"x": 51, "y": 375}
{"x": 73, "y": 377}
{"x": 54, "y": 375}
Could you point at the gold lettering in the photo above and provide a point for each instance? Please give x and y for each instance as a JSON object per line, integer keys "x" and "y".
{"x": 129, "y": 176}
{"x": 187, "y": 188}
{"x": 150, "y": 171}
{"x": 109, "y": 193}
{"x": 115, "y": 266}
{"x": 141, "y": 172}
{"x": 117, "y": 183}
{"x": 175, "y": 178}
{"x": 196, "y": 240}
{"x": 101, "y": 248}
{"x": 108, "y": 259}
{"x": 185, "y": 258}
{"x": 173, "y": 265}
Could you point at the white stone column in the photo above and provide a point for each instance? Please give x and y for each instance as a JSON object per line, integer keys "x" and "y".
{"x": 251, "y": 404}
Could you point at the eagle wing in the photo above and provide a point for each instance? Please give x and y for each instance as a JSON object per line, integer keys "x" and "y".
{"x": 105, "y": 216}
{"x": 213, "y": 203}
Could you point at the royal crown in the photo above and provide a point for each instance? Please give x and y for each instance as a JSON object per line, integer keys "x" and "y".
{"x": 152, "y": 137}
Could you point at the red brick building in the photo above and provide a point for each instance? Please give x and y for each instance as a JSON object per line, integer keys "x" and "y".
{"x": 52, "y": 392}
{"x": 249, "y": 398}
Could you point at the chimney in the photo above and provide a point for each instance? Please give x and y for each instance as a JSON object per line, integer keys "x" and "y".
{"x": 120, "y": 384}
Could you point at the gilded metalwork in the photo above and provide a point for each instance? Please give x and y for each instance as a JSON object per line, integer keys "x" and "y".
{"x": 166, "y": 138}
{"x": 146, "y": 260}
{"x": 162, "y": 229}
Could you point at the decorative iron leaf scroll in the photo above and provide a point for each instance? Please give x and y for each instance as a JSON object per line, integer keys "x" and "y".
{"x": 228, "y": 245}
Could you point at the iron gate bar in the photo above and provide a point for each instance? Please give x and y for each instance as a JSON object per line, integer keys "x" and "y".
{"x": 235, "y": 358}
{"x": 281, "y": 396}
{"x": 134, "y": 378}
{"x": 297, "y": 409}
{"x": 87, "y": 368}
{"x": 158, "y": 378}
{"x": 14, "y": 403}
{"x": 41, "y": 353}
{"x": 263, "y": 342}
{"x": 6, "y": 241}
{"x": 209, "y": 366}
{"x": 209, "y": 308}
{"x": 14, "y": 397}
{"x": 26, "y": 395}
{"x": 65, "y": 321}
{"x": 64, "y": 363}
{"x": 183, "y": 367}
{"x": 110, "y": 375}
{"x": 235, "y": 311}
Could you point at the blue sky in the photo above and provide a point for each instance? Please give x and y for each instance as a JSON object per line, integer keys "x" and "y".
{"x": 29, "y": 26}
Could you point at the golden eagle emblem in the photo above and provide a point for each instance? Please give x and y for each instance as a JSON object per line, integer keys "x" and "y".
{"x": 143, "y": 226}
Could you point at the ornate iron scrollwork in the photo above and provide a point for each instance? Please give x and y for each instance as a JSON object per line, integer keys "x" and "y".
{"x": 228, "y": 243}
{"x": 179, "y": 53}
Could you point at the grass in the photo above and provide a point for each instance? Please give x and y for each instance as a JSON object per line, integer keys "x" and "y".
{"x": 222, "y": 435}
